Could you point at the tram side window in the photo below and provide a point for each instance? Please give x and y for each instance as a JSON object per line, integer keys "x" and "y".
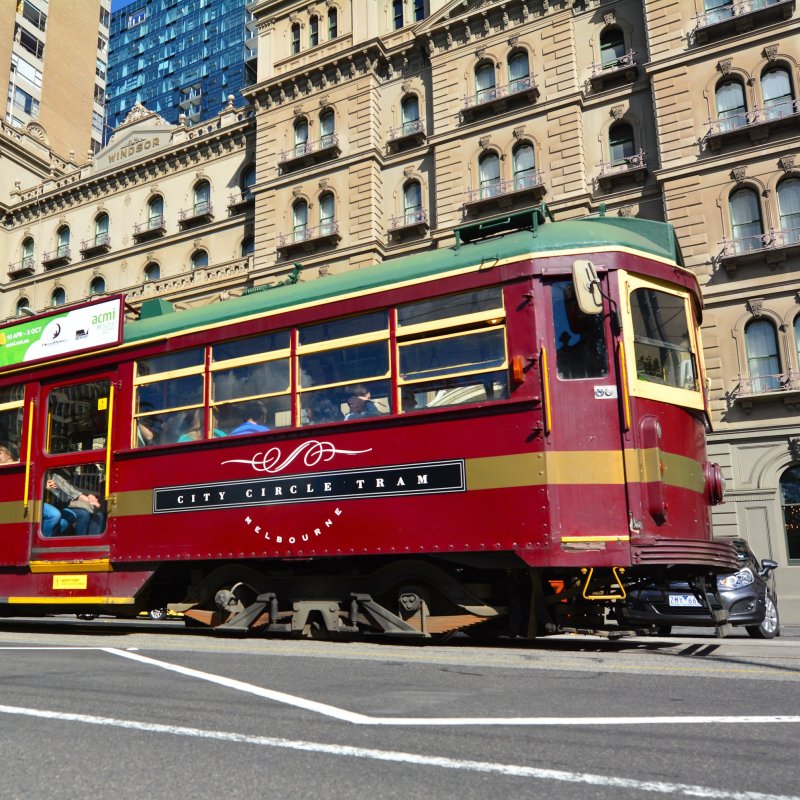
{"x": 77, "y": 417}
{"x": 250, "y": 384}
{"x": 662, "y": 344}
{"x": 344, "y": 369}
{"x": 452, "y": 350}
{"x": 580, "y": 338}
{"x": 73, "y": 501}
{"x": 169, "y": 400}
{"x": 11, "y": 413}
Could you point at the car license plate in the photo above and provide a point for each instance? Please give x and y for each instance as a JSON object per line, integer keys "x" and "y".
{"x": 684, "y": 601}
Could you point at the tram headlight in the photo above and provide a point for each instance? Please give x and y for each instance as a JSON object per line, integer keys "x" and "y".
{"x": 744, "y": 577}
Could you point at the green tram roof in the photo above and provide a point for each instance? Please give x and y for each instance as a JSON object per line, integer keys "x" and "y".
{"x": 653, "y": 238}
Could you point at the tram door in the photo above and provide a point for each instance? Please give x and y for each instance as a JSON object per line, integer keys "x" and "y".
{"x": 70, "y": 472}
{"x": 583, "y": 424}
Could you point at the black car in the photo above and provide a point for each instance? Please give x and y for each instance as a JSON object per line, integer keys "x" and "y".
{"x": 748, "y": 596}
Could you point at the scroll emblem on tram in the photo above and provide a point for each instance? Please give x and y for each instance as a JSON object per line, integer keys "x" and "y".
{"x": 312, "y": 453}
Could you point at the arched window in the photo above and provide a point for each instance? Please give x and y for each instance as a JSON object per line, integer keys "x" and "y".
{"x": 327, "y": 128}
{"x": 202, "y": 198}
{"x": 621, "y": 143}
{"x": 745, "y": 220}
{"x": 327, "y": 213}
{"x": 97, "y": 285}
{"x": 333, "y": 23}
{"x": 101, "y": 229}
{"x": 789, "y": 207}
{"x": 199, "y": 259}
{"x": 248, "y": 246}
{"x": 790, "y": 500}
{"x": 524, "y": 167}
{"x": 58, "y": 297}
{"x": 152, "y": 272}
{"x": 300, "y": 221}
{"x": 313, "y": 31}
{"x": 155, "y": 212}
{"x": 301, "y": 136}
{"x": 295, "y": 38}
{"x": 409, "y": 110}
{"x": 484, "y": 82}
{"x": 412, "y": 203}
{"x": 23, "y": 306}
{"x": 28, "y": 248}
{"x": 62, "y": 241}
{"x": 489, "y": 173}
{"x": 612, "y": 48}
{"x": 519, "y": 72}
{"x": 397, "y": 14}
{"x": 731, "y": 105}
{"x": 247, "y": 180}
{"x": 763, "y": 364}
{"x": 776, "y": 89}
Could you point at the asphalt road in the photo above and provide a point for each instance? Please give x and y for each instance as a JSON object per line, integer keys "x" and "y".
{"x": 107, "y": 709}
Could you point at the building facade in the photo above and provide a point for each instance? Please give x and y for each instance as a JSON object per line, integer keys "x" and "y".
{"x": 375, "y": 128}
{"x": 178, "y": 59}
{"x": 56, "y": 55}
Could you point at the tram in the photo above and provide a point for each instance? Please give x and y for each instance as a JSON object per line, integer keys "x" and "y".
{"x": 501, "y": 437}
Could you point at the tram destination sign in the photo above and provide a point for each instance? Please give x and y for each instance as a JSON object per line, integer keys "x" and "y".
{"x": 407, "y": 479}
{"x": 62, "y": 333}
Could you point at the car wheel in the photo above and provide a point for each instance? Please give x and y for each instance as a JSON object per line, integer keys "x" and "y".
{"x": 770, "y": 626}
{"x": 157, "y": 613}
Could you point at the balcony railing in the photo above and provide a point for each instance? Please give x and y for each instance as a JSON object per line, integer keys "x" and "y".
{"x": 624, "y": 67}
{"x": 55, "y": 258}
{"x": 500, "y": 97}
{"x": 771, "y": 247}
{"x": 755, "y": 123}
{"x": 101, "y": 243}
{"x": 309, "y": 238}
{"x": 504, "y": 194}
{"x": 765, "y": 388}
{"x": 409, "y": 223}
{"x": 153, "y": 228}
{"x": 409, "y": 132}
{"x": 633, "y": 166}
{"x": 739, "y": 16}
{"x": 196, "y": 215}
{"x": 240, "y": 199}
{"x": 22, "y": 268}
{"x": 305, "y": 153}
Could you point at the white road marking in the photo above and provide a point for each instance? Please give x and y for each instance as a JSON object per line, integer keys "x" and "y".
{"x": 415, "y": 759}
{"x": 365, "y": 719}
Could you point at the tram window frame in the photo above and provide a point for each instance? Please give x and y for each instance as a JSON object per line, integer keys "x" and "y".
{"x": 357, "y": 332}
{"x": 163, "y": 425}
{"x": 10, "y": 407}
{"x": 73, "y": 427}
{"x": 88, "y": 510}
{"x": 277, "y": 405}
{"x": 435, "y": 323}
{"x": 640, "y": 385}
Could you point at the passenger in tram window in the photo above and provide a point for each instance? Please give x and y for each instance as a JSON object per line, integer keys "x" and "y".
{"x": 321, "y": 409}
{"x": 193, "y": 427}
{"x": 359, "y": 403}
{"x": 82, "y": 511}
{"x": 253, "y": 416}
{"x": 53, "y": 523}
{"x": 147, "y": 432}
{"x": 6, "y": 456}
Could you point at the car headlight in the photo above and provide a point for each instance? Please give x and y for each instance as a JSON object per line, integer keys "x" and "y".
{"x": 744, "y": 577}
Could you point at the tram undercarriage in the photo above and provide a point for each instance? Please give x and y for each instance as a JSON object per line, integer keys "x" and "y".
{"x": 418, "y": 599}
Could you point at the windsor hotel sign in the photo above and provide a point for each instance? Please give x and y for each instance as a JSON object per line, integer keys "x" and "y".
{"x": 137, "y": 146}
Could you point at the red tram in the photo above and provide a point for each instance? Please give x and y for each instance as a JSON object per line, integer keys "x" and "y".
{"x": 500, "y": 437}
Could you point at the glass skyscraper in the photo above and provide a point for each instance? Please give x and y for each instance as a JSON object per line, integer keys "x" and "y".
{"x": 178, "y": 57}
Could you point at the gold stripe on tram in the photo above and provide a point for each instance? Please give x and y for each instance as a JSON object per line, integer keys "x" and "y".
{"x": 87, "y": 565}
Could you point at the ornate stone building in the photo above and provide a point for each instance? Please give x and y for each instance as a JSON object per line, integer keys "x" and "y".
{"x": 377, "y": 127}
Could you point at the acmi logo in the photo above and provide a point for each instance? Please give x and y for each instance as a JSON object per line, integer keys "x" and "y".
{"x": 106, "y": 316}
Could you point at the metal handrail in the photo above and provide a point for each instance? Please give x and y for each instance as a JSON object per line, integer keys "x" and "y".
{"x": 418, "y": 216}
{"x": 493, "y": 93}
{"x": 303, "y": 149}
{"x": 410, "y": 128}
{"x": 736, "y": 9}
{"x": 771, "y": 240}
{"x": 308, "y": 234}
{"x": 623, "y": 62}
{"x": 755, "y": 116}
{"x": 635, "y": 161}
{"x": 764, "y": 384}
{"x": 521, "y": 183}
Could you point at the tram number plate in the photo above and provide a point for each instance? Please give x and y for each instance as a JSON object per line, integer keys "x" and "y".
{"x": 684, "y": 601}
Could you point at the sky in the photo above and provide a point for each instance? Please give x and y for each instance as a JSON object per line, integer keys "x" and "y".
{"x": 115, "y": 4}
